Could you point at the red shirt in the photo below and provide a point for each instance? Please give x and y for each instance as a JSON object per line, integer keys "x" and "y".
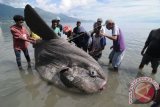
{"x": 19, "y": 36}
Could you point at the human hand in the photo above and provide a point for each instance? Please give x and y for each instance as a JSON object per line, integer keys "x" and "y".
{"x": 32, "y": 41}
{"x": 142, "y": 52}
{"x": 102, "y": 33}
{"x": 92, "y": 53}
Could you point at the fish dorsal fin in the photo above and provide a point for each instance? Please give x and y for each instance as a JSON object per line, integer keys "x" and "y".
{"x": 37, "y": 25}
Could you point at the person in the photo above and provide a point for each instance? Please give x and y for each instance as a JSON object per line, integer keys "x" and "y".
{"x": 67, "y": 30}
{"x": 37, "y": 40}
{"x": 58, "y": 24}
{"x": 98, "y": 25}
{"x": 20, "y": 41}
{"x": 55, "y": 28}
{"x": 80, "y": 36}
{"x": 117, "y": 53}
{"x": 35, "y": 37}
{"x": 156, "y": 99}
{"x": 151, "y": 51}
{"x": 97, "y": 45}
{"x": 76, "y": 29}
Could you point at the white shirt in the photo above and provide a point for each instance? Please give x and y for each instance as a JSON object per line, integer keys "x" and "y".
{"x": 115, "y": 30}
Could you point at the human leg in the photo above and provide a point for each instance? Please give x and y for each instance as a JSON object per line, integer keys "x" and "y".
{"x": 145, "y": 60}
{"x": 26, "y": 54}
{"x": 156, "y": 99}
{"x": 154, "y": 64}
{"x": 18, "y": 59}
{"x": 111, "y": 56}
{"x": 117, "y": 59}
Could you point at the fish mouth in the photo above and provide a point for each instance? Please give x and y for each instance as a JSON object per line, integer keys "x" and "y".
{"x": 102, "y": 86}
{"x": 75, "y": 81}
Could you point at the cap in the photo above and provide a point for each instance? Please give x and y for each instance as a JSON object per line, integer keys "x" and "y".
{"x": 99, "y": 20}
{"x": 17, "y": 18}
{"x": 67, "y": 28}
{"x": 58, "y": 18}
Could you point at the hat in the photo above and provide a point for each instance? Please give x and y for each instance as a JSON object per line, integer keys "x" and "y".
{"x": 58, "y": 18}
{"x": 99, "y": 20}
{"x": 17, "y": 18}
{"x": 67, "y": 28}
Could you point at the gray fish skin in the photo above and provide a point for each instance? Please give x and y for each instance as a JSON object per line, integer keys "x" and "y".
{"x": 57, "y": 61}
{"x": 63, "y": 64}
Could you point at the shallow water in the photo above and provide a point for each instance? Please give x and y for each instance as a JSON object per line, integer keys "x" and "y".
{"x": 26, "y": 89}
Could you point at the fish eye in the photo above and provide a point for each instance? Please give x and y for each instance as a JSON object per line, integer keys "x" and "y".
{"x": 92, "y": 73}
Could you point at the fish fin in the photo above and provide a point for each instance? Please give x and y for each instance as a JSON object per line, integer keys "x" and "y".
{"x": 37, "y": 25}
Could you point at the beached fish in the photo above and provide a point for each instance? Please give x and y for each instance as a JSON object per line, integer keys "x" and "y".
{"x": 61, "y": 63}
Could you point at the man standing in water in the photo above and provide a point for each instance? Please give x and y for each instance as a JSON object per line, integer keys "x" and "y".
{"x": 20, "y": 40}
{"x": 117, "y": 53}
{"x": 152, "y": 53}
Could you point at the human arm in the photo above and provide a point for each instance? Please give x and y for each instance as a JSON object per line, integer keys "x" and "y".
{"x": 19, "y": 35}
{"x": 95, "y": 51}
{"x": 61, "y": 28}
{"x": 142, "y": 52}
{"x": 115, "y": 33}
{"x": 147, "y": 43}
{"x": 114, "y": 37}
{"x": 59, "y": 32}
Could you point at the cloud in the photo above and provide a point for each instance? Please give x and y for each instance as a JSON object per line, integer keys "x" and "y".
{"x": 63, "y": 6}
{"x": 67, "y": 5}
{"x": 125, "y": 10}
{"x": 47, "y": 5}
{"x": 15, "y": 3}
{"x": 92, "y": 9}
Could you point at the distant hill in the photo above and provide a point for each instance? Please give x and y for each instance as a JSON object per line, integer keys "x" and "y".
{"x": 7, "y": 12}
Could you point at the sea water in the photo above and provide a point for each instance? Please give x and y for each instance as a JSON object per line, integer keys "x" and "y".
{"x": 26, "y": 89}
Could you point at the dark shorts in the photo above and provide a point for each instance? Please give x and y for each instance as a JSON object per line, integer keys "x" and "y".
{"x": 154, "y": 61}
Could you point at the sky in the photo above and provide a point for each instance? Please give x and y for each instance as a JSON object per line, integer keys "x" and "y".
{"x": 124, "y": 10}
